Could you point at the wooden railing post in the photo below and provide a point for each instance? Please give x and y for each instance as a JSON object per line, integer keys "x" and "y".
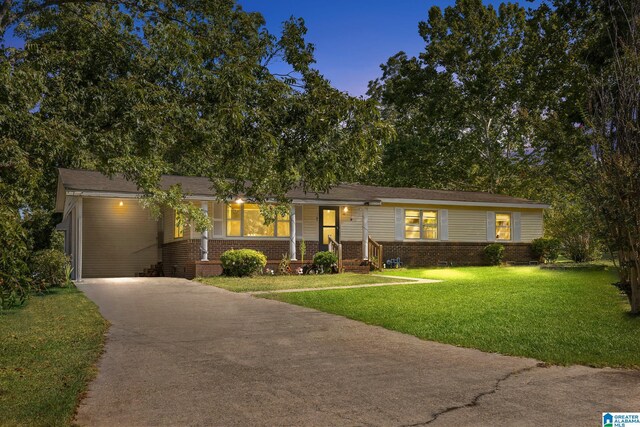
{"x": 336, "y": 248}
{"x": 375, "y": 252}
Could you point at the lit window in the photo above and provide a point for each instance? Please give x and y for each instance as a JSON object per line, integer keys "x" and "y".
{"x": 503, "y": 226}
{"x": 247, "y": 221}
{"x": 419, "y": 224}
{"x": 178, "y": 226}
{"x": 234, "y": 220}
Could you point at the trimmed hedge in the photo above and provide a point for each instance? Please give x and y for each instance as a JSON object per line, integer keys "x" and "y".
{"x": 242, "y": 262}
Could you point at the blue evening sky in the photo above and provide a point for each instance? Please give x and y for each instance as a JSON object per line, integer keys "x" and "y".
{"x": 351, "y": 37}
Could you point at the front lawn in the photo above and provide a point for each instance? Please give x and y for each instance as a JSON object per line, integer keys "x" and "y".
{"x": 273, "y": 283}
{"x": 560, "y": 317}
{"x": 47, "y": 355}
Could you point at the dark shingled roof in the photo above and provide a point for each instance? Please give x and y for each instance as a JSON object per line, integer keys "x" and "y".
{"x": 82, "y": 180}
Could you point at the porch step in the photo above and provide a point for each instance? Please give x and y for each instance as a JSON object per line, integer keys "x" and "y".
{"x": 355, "y": 266}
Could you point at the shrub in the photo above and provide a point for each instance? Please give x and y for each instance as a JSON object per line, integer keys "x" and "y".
{"x": 284, "y": 267}
{"x": 50, "y": 268}
{"x": 57, "y": 240}
{"x": 242, "y": 262}
{"x": 325, "y": 259}
{"x": 581, "y": 248}
{"x": 546, "y": 249}
{"x": 14, "y": 272}
{"x": 303, "y": 250}
{"x": 494, "y": 253}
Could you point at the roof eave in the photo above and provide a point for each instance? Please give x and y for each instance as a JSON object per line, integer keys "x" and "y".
{"x": 208, "y": 197}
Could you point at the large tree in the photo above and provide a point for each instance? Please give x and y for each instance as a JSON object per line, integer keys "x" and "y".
{"x": 613, "y": 129}
{"x": 459, "y": 106}
{"x": 148, "y": 87}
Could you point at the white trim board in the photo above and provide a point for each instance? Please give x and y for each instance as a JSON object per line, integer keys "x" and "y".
{"x": 458, "y": 203}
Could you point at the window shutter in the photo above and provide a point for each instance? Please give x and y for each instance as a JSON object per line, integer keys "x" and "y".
{"x": 218, "y": 219}
{"x": 299, "y": 222}
{"x": 491, "y": 226}
{"x": 515, "y": 217}
{"x": 399, "y": 224}
{"x": 443, "y": 224}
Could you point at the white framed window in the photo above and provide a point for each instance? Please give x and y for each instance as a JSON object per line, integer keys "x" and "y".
{"x": 420, "y": 224}
{"x": 245, "y": 220}
{"x": 503, "y": 226}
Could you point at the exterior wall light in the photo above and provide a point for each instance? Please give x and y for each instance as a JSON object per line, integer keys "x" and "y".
{"x": 121, "y": 203}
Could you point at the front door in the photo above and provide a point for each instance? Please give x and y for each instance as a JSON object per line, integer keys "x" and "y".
{"x": 329, "y": 226}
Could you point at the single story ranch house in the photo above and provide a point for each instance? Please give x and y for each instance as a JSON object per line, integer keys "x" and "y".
{"x": 109, "y": 234}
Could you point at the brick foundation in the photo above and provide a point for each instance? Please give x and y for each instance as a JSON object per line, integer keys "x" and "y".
{"x": 181, "y": 258}
{"x": 423, "y": 254}
{"x": 273, "y": 249}
{"x": 214, "y": 268}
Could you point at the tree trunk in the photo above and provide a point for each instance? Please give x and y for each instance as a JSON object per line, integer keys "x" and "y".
{"x": 635, "y": 290}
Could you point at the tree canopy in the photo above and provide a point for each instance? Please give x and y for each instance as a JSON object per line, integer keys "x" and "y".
{"x": 146, "y": 88}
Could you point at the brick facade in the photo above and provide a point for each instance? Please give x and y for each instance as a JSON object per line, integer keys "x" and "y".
{"x": 422, "y": 254}
{"x": 178, "y": 258}
{"x": 273, "y": 249}
{"x": 181, "y": 258}
{"x": 176, "y": 255}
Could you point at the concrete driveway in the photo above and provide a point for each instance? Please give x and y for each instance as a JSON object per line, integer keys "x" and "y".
{"x": 181, "y": 353}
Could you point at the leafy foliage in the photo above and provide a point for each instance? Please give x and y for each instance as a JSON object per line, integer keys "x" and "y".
{"x": 146, "y": 88}
{"x": 325, "y": 259}
{"x": 303, "y": 250}
{"x": 494, "y": 253}
{"x": 49, "y": 268}
{"x": 284, "y": 267}
{"x": 242, "y": 262}
{"x": 613, "y": 129}
{"x": 546, "y": 249}
{"x": 458, "y": 107}
{"x": 57, "y": 240}
{"x": 14, "y": 273}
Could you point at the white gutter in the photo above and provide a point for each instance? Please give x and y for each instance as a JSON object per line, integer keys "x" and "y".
{"x": 460, "y": 203}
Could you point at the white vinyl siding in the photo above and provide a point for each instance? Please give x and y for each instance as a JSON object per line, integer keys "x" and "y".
{"x": 515, "y": 227}
{"x": 351, "y": 224}
{"x": 491, "y": 226}
{"x": 310, "y": 222}
{"x": 531, "y": 226}
{"x": 382, "y": 222}
{"x": 118, "y": 241}
{"x": 467, "y": 225}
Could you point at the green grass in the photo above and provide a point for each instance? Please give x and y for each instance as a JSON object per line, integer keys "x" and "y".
{"x": 47, "y": 353}
{"x": 273, "y": 283}
{"x": 560, "y": 317}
